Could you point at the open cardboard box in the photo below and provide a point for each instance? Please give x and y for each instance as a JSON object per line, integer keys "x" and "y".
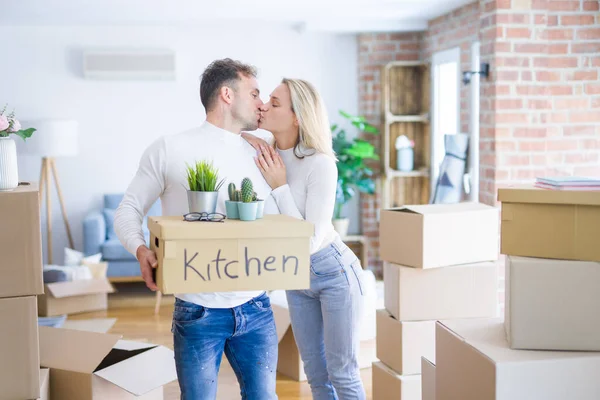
{"x": 74, "y": 297}
{"x": 266, "y": 254}
{"x": 93, "y": 366}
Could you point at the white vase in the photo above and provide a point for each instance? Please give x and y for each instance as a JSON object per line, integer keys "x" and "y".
{"x": 9, "y": 174}
{"x": 341, "y": 226}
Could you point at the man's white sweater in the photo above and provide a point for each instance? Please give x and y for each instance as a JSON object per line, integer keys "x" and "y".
{"x": 162, "y": 173}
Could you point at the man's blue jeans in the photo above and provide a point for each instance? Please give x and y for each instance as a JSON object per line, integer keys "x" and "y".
{"x": 247, "y": 335}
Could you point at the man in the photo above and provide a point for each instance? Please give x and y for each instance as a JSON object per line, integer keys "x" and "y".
{"x": 205, "y": 324}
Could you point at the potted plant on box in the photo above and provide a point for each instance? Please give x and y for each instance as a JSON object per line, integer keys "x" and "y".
{"x": 9, "y": 125}
{"x": 260, "y": 206}
{"x": 352, "y": 170}
{"x": 204, "y": 185}
{"x": 231, "y": 205}
{"x": 248, "y": 207}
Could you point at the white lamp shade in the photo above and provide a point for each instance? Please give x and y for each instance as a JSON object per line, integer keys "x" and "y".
{"x": 52, "y": 138}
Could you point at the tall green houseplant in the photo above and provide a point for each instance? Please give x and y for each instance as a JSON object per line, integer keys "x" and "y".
{"x": 353, "y": 172}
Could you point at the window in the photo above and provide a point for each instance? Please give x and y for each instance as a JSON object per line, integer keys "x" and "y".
{"x": 472, "y": 181}
{"x": 446, "y": 104}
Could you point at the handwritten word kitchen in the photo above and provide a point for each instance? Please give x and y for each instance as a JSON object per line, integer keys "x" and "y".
{"x": 222, "y": 268}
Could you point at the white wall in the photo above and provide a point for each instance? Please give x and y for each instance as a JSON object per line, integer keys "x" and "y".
{"x": 40, "y": 75}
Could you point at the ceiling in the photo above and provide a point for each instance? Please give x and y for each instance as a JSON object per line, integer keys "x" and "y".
{"x": 305, "y": 15}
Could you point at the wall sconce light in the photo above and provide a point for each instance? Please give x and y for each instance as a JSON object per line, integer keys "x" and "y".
{"x": 484, "y": 71}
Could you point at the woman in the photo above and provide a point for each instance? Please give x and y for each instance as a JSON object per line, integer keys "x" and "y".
{"x": 302, "y": 172}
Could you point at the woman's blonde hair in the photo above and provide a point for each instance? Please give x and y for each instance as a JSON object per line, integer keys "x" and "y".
{"x": 307, "y": 104}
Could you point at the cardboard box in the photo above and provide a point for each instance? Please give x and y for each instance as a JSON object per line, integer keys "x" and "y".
{"x": 460, "y": 291}
{"x": 474, "y": 362}
{"x": 388, "y": 385}
{"x": 400, "y": 344}
{"x": 289, "y": 362}
{"x": 439, "y": 235}
{"x": 20, "y": 243}
{"x": 90, "y": 366}
{"x": 552, "y": 304}
{"x": 44, "y": 384}
{"x": 550, "y": 223}
{"x": 427, "y": 379}
{"x": 19, "y": 351}
{"x": 74, "y": 297}
{"x": 269, "y": 253}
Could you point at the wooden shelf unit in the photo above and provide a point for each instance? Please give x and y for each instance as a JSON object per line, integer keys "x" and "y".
{"x": 405, "y": 111}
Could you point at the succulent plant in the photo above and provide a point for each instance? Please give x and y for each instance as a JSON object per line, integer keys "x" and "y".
{"x": 247, "y": 190}
{"x": 232, "y": 192}
{"x": 238, "y": 195}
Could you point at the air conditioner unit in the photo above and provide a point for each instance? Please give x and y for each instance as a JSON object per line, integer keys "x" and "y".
{"x": 129, "y": 64}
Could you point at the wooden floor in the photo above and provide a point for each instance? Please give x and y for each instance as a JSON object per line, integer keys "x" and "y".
{"x": 136, "y": 321}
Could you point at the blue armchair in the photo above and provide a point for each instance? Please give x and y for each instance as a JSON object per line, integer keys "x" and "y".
{"x": 99, "y": 237}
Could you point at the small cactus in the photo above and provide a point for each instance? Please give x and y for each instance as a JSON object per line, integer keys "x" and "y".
{"x": 232, "y": 191}
{"x": 254, "y": 196}
{"x": 238, "y": 195}
{"x": 247, "y": 190}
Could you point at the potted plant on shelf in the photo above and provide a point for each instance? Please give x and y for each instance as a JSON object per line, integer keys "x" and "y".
{"x": 9, "y": 125}
{"x": 353, "y": 172}
{"x": 248, "y": 207}
{"x": 204, "y": 185}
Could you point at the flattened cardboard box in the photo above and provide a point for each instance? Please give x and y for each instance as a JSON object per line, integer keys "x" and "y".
{"x": 401, "y": 344}
{"x": 460, "y": 291}
{"x": 289, "y": 362}
{"x": 439, "y": 235}
{"x": 19, "y": 350}
{"x": 427, "y": 379}
{"x": 474, "y": 362}
{"x": 552, "y": 304}
{"x": 94, "y": 366}
{"x": 74, "y": 297}
{"x": 388, "y": 385}
{"x": 266, "y": 254}
{"x": 20, "y": 243}
{"x": 550, "y": 223}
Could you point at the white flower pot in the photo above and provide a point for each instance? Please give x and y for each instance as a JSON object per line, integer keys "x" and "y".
{"x": 341, "y": 226}
{"x": 9, "y": 174}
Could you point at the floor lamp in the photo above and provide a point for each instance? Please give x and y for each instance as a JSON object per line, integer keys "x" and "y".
{"x": 52, "y": 139}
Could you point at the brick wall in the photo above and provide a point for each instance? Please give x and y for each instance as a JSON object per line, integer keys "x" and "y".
{"x": 540, "y": 107}
{"x": 374, "y": 51}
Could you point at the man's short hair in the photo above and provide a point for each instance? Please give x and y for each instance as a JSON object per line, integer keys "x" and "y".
{"x": 219, "y": 73}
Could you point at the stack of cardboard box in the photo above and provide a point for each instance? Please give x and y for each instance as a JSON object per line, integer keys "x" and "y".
{"x": 440, "y": 262}
{"x": 550, "y": 239}
{"x": 21, "y": 268}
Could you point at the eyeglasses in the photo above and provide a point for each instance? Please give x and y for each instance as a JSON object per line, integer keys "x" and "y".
{"x": 204, "y": 217}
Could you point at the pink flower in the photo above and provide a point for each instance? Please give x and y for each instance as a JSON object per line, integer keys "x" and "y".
{"x": 16, "y": 126}
{"x": 3, "y": 123}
